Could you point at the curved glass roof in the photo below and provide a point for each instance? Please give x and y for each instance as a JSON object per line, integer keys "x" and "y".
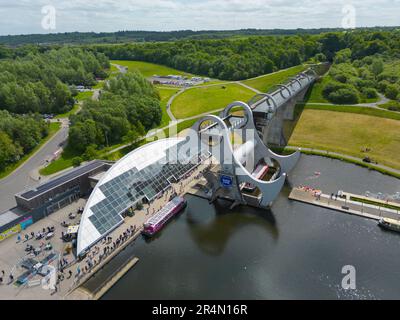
{"x": 141, "y": 175}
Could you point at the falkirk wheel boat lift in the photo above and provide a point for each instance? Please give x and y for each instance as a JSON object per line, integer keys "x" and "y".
{"x": 249, "y": 173}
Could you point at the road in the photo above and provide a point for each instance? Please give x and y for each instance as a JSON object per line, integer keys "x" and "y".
{"x": 22, "y": 178}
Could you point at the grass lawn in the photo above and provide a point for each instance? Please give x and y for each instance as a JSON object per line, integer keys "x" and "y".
{"x": 391, "y": 105}
{"x": 99, "y": 85}
{"x": 74, "y": 109}
{"x": 265, "y": 83}
{"x": 84, "y": 95}
{"x": 354, "y": 109}
{"x": 64, "y": 162}
{"x": 149, "y": 69}
{"x": 315, "y": 93}
{"x": 53, "y": 128}
{"x": 199, "y": 100}
{"x": 165, "y": 95}
{"x": 80, "y": 97}
{"x": 349, "y": 133}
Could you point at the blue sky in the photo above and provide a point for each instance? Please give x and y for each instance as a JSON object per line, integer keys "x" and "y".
{"x": 25, "y": 16}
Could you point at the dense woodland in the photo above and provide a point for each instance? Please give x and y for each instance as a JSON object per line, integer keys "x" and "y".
{"x": 350, "y": 80}
{"x": 34, "y": 82}
{"x": 128, "y": 107}
{"x": 151, "y": 36}
{"x": 39, "y": 82}
{"x": 242, "y": 58}
{"x": 19, "y": 135}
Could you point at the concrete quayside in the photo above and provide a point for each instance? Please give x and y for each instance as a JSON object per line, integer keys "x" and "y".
{"x": 349, "y": 203}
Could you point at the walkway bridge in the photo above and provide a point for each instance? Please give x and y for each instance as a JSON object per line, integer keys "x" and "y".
{"x": 256, "y": 123}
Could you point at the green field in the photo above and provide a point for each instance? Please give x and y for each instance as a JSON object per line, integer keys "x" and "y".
{"x": 349, "y": 134}
{"x": 315, "y": 93}
{"x": 53, "y": 128}
{"x": 199, "y": 100}
{"x": 265, "y": 83}
{"x": 165, "y": 95}
{"x": 353, "y": 109}
{"x": 149, "y": 69}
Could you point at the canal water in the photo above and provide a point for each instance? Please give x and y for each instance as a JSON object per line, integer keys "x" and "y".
{"x": 293, "y": 251}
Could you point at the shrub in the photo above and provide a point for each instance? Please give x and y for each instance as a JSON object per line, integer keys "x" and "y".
{"x": 344, "y": 96}
{"x": 394, "y": 108}
{"x": 331, "y": 87}
{"x": 76, "y": 162}
{"x": 370, "y": 93}
{"x": 392, "y": 91}
{"x": 341, "y": 77}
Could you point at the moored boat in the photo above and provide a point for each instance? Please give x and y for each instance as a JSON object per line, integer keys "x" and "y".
{"x": 156, "y": 222}
{"x": 389, "y": 224}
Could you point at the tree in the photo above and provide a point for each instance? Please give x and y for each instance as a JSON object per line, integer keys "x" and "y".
{"x": 370, "y": 93}
{"x": 377, "y": 67}
{"x": 343, "y": 56}
{"x": 392, "y": 91}
{"x": 344, "y": 95}
{"x": 76, "y": 161}
{"x": 82, "y": 134}
{"x": 8, "y": 151}
{"x": 90, "y": 152}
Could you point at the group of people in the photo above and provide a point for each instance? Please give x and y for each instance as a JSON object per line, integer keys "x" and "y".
{"x": 47, "y": 231}
{"x": 2, "y": 276}
{"x": 96, "y": 255}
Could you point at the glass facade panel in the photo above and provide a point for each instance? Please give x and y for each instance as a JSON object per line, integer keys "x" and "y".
{"x": 133, "y": 185}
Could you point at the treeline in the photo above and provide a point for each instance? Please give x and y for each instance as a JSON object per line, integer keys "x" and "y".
{"x": 229, "y": 59}
{"x": 19, "y": 135}
{"x": 151, "y": 36}
{"x": 237, "y": 59}
{"x": 36, "y": 81}
{"x": 128, "y": 106}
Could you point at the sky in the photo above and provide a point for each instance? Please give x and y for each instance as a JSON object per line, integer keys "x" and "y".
{"x": 52, "y": 16}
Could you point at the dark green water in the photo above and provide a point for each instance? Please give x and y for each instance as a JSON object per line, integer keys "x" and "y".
{"x": 293, "y": 251}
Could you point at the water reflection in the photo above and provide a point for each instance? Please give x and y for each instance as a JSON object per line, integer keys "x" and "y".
{"x": 294, "y": 251}
{"x": 212, "y": 228}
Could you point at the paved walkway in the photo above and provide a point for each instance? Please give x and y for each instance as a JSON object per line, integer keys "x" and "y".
{"x": 248, "y": 87}
{"x": 315, "y": 197}
{"x": 121, "y": 69}
{"x": 372, "y": 105}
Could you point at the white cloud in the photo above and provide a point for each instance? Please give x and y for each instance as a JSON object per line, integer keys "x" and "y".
{"x": 24, "y": 16}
